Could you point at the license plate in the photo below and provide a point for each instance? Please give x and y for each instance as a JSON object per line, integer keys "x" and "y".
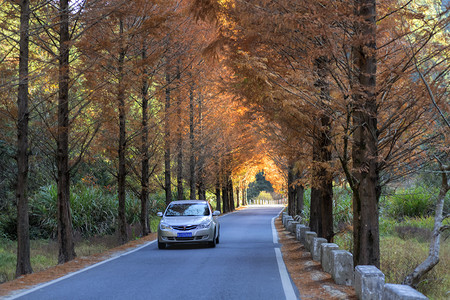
{"x": 184, "y": 234}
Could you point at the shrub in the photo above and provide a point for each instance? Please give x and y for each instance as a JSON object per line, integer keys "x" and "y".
{"x": 93, "y": 211}
{"x": 417, "y": 202}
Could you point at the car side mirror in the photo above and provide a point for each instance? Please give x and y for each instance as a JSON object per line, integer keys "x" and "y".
{"x": 159, "y": 214}
{"x": 216, "y": 213}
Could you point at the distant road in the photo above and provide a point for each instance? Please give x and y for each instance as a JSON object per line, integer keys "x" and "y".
{"x": 243, "y": 266}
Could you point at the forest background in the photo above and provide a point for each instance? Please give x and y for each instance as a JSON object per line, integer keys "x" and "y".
{"x": 112, "y": 109}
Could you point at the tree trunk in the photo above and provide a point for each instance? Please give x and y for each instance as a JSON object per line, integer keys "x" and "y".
{"x": 231, "y": 191}
{"x": 291, "y": 191}
{"x": 218, "y": 206}
{"x": 299, "y": 191}
{"x": 23, "y": 265}
{"x": 192, "y": 180}
{"x": 315, "y": 205}
{"x": 366, "y": 191}
{"x": 225, "y": 202}
{"x": 180, "y": 189}
{"x": 121, "y": 176}
{"x": 201, "y": 159}
{"x": 65, "y": 234}
{"x": 325, "y": 176}
{"x": 145, "y": 155}
{"x": 167, "y": 172}
{"x": 237, "y": 197}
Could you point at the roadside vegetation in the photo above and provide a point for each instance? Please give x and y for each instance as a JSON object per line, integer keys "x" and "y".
{"x": 406, "y": 224}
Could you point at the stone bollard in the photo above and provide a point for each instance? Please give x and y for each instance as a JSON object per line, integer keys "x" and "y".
{"x": 310, "y": 235}
{"x": 316, "y": 249}
{"x": 342, "y": 267}
{"x": 325, "y": 256}
{"x": 286, "y": 220}
{"x": 401, "y": 292}
{"x": 288, "y": 223}
{"x": 292, "y": 226}
{"x": 369, "y": 282}
{"x": 301, "y": 233}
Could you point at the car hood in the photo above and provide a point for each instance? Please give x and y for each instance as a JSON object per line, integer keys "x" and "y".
{"x": 186, "y": 220}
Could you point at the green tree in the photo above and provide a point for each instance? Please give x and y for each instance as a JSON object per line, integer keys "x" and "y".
{"x": 260, "y": 184}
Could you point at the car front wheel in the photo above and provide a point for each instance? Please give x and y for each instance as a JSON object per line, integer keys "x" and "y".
{"x": 214, "y": 242}
{"x": 161, "y": 245}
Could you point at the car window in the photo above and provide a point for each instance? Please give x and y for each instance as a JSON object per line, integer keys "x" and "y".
{"x": 187, "y": 209}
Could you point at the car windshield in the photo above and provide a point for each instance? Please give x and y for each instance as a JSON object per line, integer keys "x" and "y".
{"x": 187, "y": 209}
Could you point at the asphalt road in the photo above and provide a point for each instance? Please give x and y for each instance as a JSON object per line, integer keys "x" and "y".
{"x": 246, "y": 264}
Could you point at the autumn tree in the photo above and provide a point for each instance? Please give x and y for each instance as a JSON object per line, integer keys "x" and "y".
{"x": 23, "y": 239}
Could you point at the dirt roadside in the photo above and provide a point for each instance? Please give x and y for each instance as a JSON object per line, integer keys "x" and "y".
{"x": 307, "y": 274}
{"x": 311, "y": 281}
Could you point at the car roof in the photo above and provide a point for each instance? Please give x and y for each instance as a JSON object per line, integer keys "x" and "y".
{"x": 189, "y": 201}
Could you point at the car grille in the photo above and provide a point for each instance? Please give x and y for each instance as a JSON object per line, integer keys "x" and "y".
{"x": 184, "y": 228}
{"x": 193, "y": 238}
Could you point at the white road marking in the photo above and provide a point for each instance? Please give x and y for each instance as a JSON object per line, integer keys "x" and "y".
{"x": 285, "y": 279}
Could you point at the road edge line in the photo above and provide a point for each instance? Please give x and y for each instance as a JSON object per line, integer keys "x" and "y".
{"x": 286, "y": 282}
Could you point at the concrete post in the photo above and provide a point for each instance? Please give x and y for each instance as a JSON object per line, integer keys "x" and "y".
{"x": 401, "y": 292}
{"x": 342, "y": 267}
{"x": 292, "y": 226}
{"x": 310, "y": 235}
{"x": 369, "y": 282}
{"x": 316, "y": 249}
{"x": 326, "y": 249}
{"x": 301, "y": 235}
{"x": 286, "y": 220}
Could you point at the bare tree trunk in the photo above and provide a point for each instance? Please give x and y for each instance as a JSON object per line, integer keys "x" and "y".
{"x": 413, "y": 279}
{"x": 291, "y": 190}
{"x": 180, "y": 189}
{"x": 192, "y": 180}
{"x": 324, "y": 136}
{"x": 23, "y": 265}
{"x": 315, "y": 205}
{"x": 167, "y": 172}
{"x": 218, "y": 200}
{"x": 145, "y": 155}
{"x": 201, "y": 152}
{"x": 226, "y": 207}
{"x": 237, "y": 197}
{"x": 299, "y": 191}
{"x": 65, "y": 234}
{"x": 366, "y": 190}
{"x": 231, "y": 192}
{"x": 121, "y": 176}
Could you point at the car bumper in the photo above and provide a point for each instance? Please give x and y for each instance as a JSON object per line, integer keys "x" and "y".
{"x": 197, "y": 236}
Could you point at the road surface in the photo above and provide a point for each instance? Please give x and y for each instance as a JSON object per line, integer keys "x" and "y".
{"x": 247, "y": 264}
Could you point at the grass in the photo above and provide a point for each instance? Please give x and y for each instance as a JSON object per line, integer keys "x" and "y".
{"x": 400, "y": 256}
{"x": 403, "y": 246}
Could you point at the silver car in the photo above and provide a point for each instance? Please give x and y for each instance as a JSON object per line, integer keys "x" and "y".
{"x": 188, "y": 221}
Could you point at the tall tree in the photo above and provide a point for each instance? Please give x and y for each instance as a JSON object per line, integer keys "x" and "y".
{"x": 65, "y": 234}
{"x": 23, "y": 237}
{"x": 366, "y": 188}
{"x": 167, "y": 170}
{"x": 192, "y": 179}
{"x": 122, "y": 146}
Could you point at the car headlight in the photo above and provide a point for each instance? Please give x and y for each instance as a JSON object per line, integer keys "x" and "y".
{"x": 205, "y": 225}
{"x": 163, "y": 225}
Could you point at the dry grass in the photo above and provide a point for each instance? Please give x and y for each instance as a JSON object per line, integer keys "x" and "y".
{"x": 399, "y": 257}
